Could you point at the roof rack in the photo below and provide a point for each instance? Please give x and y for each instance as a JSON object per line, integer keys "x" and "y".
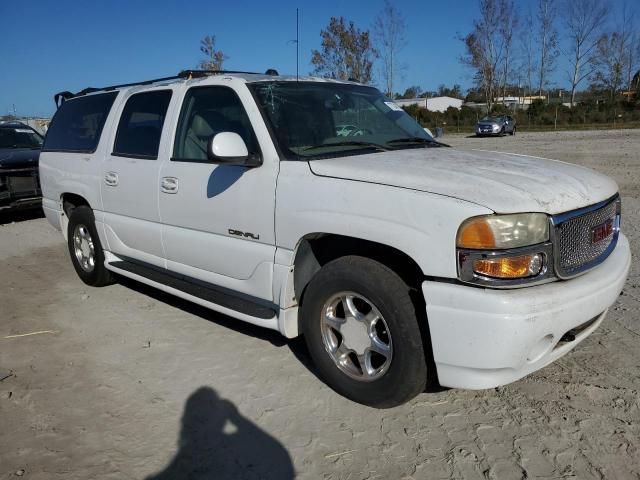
{"x": 61, "y": 97}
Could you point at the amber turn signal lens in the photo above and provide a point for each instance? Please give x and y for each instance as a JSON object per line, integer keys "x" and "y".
{"x": 521, "y": 266}
{"x": 477, "y": 234}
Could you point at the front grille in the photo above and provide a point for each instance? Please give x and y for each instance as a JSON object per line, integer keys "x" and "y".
{"x": 577, "y": 249}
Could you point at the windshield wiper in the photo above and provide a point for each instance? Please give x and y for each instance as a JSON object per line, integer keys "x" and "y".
{"x": 348, "y": 143}
{"x": 423, "y": 141}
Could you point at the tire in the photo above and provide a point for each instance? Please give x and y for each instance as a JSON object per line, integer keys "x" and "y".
{"x": 513, "y": 132}
{"x": 397, "y": 377}
{"x": 502, "y": 132}
{"x": 82, "y": 226}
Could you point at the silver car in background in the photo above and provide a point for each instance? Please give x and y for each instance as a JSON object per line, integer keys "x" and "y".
{"x": 496, "y": 125}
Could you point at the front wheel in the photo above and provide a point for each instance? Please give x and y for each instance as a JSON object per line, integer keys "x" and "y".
{"x": 361, "y": 328}
{"x": 513, "y": 132}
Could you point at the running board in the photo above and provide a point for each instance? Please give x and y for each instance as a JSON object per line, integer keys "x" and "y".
{"x": 205, "y": 291}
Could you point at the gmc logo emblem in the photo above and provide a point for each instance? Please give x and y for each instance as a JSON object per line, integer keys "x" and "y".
{"x": 602, "y": 231}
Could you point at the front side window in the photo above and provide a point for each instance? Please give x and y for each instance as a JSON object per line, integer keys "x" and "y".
{"x": 77, "y": 124}
{"x": 20, "y": 138}
{"x": 207, "y": 111}
{"x": 140, "y": 126}
{"x": 325, "y": 119}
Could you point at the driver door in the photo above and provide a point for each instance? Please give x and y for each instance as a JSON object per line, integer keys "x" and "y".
{"x": 218, "y": 220}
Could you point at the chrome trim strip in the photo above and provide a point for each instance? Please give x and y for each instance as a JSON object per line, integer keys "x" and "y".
{"x": 563, "y": 217}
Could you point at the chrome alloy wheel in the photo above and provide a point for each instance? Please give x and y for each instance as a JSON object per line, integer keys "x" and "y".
{"x": 83, "y": 248}
{"x": 356, "y": 336}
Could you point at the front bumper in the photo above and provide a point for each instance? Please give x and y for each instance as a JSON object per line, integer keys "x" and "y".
{"x": 19, "y": 189}
{"x": 484, "y": 338}
{"x": 483, "y": 131}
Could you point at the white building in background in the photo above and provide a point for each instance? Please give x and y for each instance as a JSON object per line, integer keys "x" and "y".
{"x": 407, "y": 102}
{"x": 440, "y": 104}
{"x": 435, "y": 104}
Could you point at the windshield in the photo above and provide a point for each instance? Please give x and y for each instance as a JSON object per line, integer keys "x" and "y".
{"x": 491, "y": 119}
{"x": 19, "y": 138}
{"x": 323, "y": 119}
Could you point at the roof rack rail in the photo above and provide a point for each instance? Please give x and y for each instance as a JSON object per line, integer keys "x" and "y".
{"x": 61, "y": 97}
{"x": 204, "y": 73}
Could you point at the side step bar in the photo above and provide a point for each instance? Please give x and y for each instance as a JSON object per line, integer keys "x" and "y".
{"x": 205, "y": 291}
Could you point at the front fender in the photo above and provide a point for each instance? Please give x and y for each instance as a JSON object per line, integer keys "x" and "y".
{"x": 421, "y": 225}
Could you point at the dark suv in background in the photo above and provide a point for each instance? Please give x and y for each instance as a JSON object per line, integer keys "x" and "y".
{"x": 19, "y": 152}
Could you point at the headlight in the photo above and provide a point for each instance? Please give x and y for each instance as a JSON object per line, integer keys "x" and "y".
{"x": 505, "y": 250}
{"x": 495, "y": 128}
{"x": 503, "y": 231}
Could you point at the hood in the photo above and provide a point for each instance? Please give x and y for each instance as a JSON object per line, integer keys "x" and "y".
{"x": 18, "y": 158}
{"x": 502, "y": 182}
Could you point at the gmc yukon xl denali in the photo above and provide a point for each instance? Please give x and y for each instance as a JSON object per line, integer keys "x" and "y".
{"x": 402, "y": 261}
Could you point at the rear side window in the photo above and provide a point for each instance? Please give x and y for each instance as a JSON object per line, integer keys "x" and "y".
{"x": 141, "y": 124}
{"x": 78, "y": 123}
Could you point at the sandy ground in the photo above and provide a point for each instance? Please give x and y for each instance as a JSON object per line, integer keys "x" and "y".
{"x": 131, "y": 383}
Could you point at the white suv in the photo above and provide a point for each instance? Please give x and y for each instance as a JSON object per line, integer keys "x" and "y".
{"x": 401, "y": 260}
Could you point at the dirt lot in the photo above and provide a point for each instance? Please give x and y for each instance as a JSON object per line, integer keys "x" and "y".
{"x": 131, "y": 383}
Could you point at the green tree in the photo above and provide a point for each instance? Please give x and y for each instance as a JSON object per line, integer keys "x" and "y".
{"x": 411, "y": 92}
{"x": 346, "y": 52}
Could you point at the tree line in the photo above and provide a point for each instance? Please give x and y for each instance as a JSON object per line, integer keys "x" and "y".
{"x": 346, "y": 51}
{"x": 509, "y": 51}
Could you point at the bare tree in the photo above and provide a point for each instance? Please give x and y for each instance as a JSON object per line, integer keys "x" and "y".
{"x": 389, "y": 34}
{"x": 346, "y": 52}
{"x": 632, "y": 45}
{"x": 528, "y": 52}
{"x": 615, "y": 58}
{"x": 547, "y": 42}
{"x": 508, "y": 25}
{"x": 214, "y": 59}
{"x": 484, "y": 49}
{"x": 584, "y": 21}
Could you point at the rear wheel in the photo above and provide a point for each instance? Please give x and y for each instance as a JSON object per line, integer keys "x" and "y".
{"x": 362, "y": 331}
{"x": 85, "y": 249}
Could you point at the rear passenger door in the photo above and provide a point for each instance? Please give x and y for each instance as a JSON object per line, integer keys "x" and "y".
{"x": 130, "y": 177}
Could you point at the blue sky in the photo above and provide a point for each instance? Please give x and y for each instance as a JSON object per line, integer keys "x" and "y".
{"x": 50, "y": 46}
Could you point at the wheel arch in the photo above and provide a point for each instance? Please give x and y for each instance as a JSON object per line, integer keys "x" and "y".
{"x": 317, "y": 249}
{"x": 70, "y": 201}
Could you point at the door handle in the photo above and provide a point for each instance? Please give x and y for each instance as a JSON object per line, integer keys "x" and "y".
{"x": 111, "y": 179}
{"x": 169, "y": 185}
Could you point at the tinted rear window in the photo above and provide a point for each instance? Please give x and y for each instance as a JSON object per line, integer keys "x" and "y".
{"x": 141, "y": 124}
{"x": 78, "y": 123}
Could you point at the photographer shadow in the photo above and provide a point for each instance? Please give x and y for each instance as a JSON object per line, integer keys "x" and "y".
{"x": 217, "y": 442}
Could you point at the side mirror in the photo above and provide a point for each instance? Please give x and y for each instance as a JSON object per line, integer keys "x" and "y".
{"x": 229, "y": 148}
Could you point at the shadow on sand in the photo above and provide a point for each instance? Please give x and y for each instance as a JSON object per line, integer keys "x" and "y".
{"x": 217, "y": 442}
{"x": 7, "y": 217}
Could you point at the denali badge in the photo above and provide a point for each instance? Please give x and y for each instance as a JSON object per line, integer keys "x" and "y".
{"x": 238, "y": 233}
{"x": 602, "y": 231}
